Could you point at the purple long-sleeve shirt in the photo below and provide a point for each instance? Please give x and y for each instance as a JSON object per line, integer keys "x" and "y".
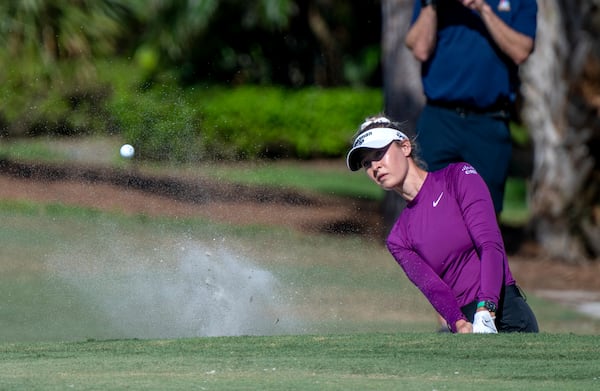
{"x": 448, "y": 242}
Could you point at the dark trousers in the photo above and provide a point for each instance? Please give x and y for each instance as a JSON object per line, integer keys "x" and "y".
{"x": 514, "y": 314}
{"x": 456, "y": 135}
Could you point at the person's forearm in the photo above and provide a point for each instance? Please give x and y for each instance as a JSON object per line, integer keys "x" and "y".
{"x": 421, "y": 37}
{"x": 515, "y": 45}
{"x": 492, "y": 270}
{"x": 420, "y": 273}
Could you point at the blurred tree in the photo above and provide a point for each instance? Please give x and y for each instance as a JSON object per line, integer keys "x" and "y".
{"x": 289, "y": 42}
{"x": 404, "y": 97}
{"x": 403, "y": 94}
{"x": 172, "y": 26}
{"x": 47, "y": 47}
{"x": 562, "y": 111}
{"x": 45, "y": 31}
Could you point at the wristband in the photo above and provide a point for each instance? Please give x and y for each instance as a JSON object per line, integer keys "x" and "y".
{"x": 488, "y": 305}
{"x": 426, "y": 3}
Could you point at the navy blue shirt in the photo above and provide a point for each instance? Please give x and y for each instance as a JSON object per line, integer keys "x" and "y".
{"x": 467, "y": 67}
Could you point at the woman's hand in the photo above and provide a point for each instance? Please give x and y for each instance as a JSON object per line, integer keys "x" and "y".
{"x": 484, "y": 322}
{"x": 463, "y": 327}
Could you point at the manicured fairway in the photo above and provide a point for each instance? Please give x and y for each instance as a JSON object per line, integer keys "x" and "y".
{"x": 102, "y": 301}
{"x": 403, "y": 361}
{"x": 69, "y": 274}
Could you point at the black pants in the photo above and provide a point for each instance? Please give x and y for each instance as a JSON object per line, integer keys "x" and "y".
{"x": 514, "y": 314}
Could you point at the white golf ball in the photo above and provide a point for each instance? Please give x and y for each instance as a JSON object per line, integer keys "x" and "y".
{"x": 127, "y": 151}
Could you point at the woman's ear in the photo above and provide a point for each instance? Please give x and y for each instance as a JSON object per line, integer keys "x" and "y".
{"x": 406, "y": 147}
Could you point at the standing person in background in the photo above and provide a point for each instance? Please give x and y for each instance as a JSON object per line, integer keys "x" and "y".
{"x": 447, "y": 239}
{"x": 470, "y": 51}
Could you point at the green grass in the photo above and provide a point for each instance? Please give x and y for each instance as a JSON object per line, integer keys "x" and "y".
{"x": 330, "y": 177}
{"x": 375, "y": 361}
{"x": 333, "y": 178}
{"x": 76, "y": 273}
{"x": 95, "y": 300}
{"x": 77, "y": 262}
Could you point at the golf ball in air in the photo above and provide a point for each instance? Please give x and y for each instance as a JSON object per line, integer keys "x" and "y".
{"x": 127, "y": 151}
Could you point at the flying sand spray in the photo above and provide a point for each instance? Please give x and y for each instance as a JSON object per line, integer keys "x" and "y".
{"x": 174, "y": 290}
{"x": 168, "y": 288}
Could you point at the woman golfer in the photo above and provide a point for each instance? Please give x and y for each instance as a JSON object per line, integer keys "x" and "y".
{"x": 447, "y": 238}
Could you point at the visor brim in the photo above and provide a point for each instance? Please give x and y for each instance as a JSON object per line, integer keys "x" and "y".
{"x": 353, "y": 160}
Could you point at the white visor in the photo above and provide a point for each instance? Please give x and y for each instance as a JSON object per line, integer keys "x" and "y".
{"x": 375, "y": 138}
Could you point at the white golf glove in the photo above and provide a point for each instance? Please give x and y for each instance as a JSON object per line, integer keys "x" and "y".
{"x": 483, "y": 323}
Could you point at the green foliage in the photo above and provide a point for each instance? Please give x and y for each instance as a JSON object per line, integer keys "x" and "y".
{"x": 61, "y": 99}
{"x": 519, "y": 134}
{"x": 169, "y": 123}
{"x": 516, "y": 211}
{"x": 172, "y": 26}
{"x": 332, "y": 180}
{"x": 259, "y": 121}
{"x": 55, "y": 82}
{"x": 358, "y": 71}
{"x": 159, "y": 122}
{"x": 49, "y": 30}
